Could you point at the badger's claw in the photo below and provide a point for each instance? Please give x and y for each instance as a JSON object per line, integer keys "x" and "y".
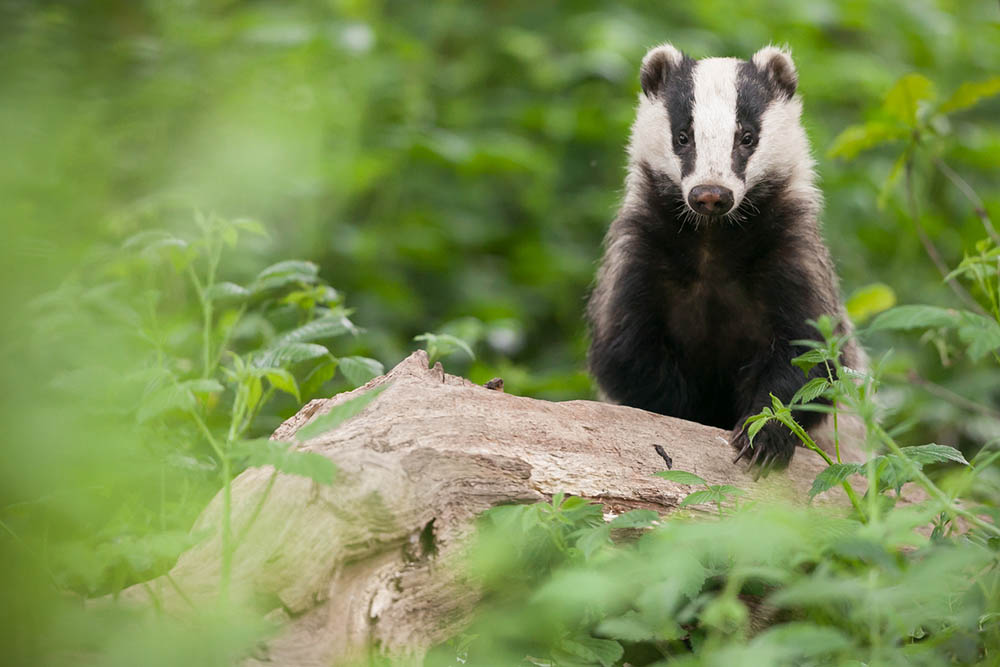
{"x": 772, "y": 448}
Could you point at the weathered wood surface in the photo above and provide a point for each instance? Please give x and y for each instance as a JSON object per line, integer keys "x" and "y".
{"x": 370, "y": 561}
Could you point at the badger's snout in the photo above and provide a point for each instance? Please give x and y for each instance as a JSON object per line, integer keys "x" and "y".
{"x": 710, "y": 199}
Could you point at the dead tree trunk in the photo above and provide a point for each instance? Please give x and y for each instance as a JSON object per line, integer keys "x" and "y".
{"x": 370, "y": 563}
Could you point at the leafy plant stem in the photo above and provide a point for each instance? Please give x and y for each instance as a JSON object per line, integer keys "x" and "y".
{"x": 811, "y": 444}
{"x": 227, "y": 548}
{"x": 931, "y": 487}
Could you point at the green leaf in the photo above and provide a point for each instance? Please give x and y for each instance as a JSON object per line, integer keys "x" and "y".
{"x": 635, "y": 519}
{"x": 227, "y": 292}
{"x": 282, "y": 380}
{"x": 605, "y": 652}
{"x": 630, "y": 627}
{"x": 285, "y": 273}
{"x": 593, "y": 539}
{"x": 832, "y": 476}
{"x": 933, "y": 453}
{"x": 203, "y": 386}
{"x": 801, "y": 640}
{"x": 441, "y": 345}
{"x": 288, "y": 354}
{"x": 254, "y": 392}
{"x": 250, "y": 225}
{"x": 809, "y": 359}
{"x": 980, "y": 334}
{"x": 318, "y": 376}
{"x": 338, "y": 414}
{"x": 903, "y": 99}
{"x": 681, "y": 477}
{"x": 359, "y": 370}
{"x": 969, "y": 93}
{"x": 164, "y": 400}
{"x": 857, "y": 138}
{"x": 699, "y": 497}
{"x": 913, "y": 317}
{"x": 870, "y": 300}
{"x": 325, "y": 327}
{"x": 283, "y": 458}
{"x": 811, "y": 390}
{"x": 757, "y": 422}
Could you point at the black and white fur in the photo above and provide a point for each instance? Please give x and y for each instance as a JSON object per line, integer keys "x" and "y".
{"x": 694, "y": 315}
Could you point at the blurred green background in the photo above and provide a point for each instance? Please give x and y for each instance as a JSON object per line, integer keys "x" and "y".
{"x": 449, "y": 166}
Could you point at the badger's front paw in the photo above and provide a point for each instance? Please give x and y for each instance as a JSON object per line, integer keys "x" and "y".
{"x": 772, "y": 447}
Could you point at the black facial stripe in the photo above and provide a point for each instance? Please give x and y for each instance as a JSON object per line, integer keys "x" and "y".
{"x": 754, "y": 92}
{"x": 678, "y": 98}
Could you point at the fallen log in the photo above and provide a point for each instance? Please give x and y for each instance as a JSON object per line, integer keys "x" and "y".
{"x": 369, "y": 564}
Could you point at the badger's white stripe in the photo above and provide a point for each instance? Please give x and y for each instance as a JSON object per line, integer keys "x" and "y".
{"x": 714, "y": 116}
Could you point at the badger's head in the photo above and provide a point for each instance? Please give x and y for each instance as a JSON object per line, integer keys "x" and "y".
{"x": 717, "y": 127}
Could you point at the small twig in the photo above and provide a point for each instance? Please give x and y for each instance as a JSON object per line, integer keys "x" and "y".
{"x": 931, "y": 249}
{"x": 977, "y": 203}
{"x": 948, "y": 395}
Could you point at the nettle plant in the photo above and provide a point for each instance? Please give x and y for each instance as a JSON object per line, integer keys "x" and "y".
{"x": 211, "y": 367}
{"x": 754, "y": 583}
{"x": 255, "y": 341}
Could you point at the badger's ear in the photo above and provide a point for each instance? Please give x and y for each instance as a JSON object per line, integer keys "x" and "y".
{"x": 656, "y": 67}
{"x": 777, "y": 64}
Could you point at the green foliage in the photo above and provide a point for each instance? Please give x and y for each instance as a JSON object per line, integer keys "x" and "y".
{"x": 452, "y": 168}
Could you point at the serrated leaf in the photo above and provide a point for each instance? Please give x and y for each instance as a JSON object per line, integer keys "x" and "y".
{"x": 283, "y": 458}
{"x": 756, "y": 425}
{"x": 903, "y": 99}
{"x": 325, "y": 327}
{"x": 980, "y": 334}
{"x": 318, "y": 376}
{"x": 593, "y": 539}
{"x": 809, "y": 359}
{"x": 700, "y": 496}
{"x": 832, "y": 476}
{"x": 288, "y": 266}
{"x": 912, "y": 317}
{"x": 635, "y": 519}
{"x": 359, "y": 370}
{"x": 285, "y": 273}
{"x": 338, "y": 414}
{"x": 933, "y": 453}
{"x": 203, "y": 386}
{"x": 250, "y": 225}
{"x": 166, "y": 399}
{"x": 282, "y": 380}
{"x": 227, "y": 291}
{"x": 629, "y": 627}
{"x": 287, "y": 354}
{"x": 799, "y": 639}
{"x": 857, "y": 138}
{"x": 605, "y": 652}
{"x": 811, "y": 390}
{"x": 681, "y": 477}
{"x": 969, "y": 93}
{"x": 870, "y": 300}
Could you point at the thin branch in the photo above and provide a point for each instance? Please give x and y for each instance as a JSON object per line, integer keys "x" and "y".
{"x": 947, "y": 394}
{"x": 977, "y": 203}
{"x": 931, "y": 249}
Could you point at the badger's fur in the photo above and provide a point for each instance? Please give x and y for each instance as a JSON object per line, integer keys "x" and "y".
{"x": 715, "y": 261}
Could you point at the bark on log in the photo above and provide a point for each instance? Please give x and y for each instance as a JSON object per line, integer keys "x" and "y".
{"x": 369, "y": 563}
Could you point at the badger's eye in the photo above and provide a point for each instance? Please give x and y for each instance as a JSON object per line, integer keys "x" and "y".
{"x": 747, "y": 139}
{"x": 682, "y": 139}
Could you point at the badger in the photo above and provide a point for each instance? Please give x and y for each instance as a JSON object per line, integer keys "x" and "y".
{"x": 715, "y": 263}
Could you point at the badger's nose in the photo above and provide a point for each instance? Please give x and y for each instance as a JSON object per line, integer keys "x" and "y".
{"x": 710, "y": 199}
